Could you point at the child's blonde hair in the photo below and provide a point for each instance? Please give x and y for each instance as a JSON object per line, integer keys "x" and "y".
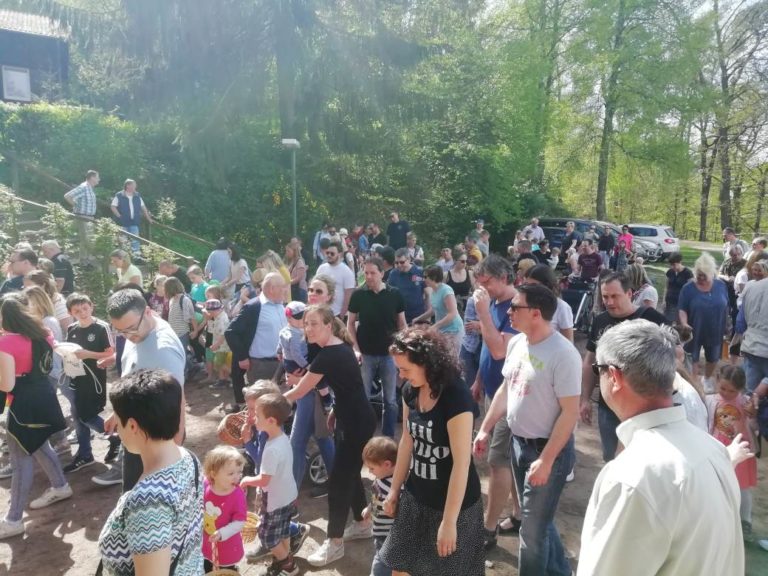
{"x": 217, "y": 458}
{"x": 214, "y": 291}
{"x": 259, "y": 389}
{"x": 380, "y": 449}
{"x": 159, "y": 280}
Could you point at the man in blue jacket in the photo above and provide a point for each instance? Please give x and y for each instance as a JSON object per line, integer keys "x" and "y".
{"x": 127, "y": 206}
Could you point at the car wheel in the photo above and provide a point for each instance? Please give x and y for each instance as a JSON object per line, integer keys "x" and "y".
{"x": 317, "y": 472}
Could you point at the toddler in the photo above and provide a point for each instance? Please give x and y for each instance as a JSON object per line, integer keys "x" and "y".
{"x": 225, "y": 508}
{"x": 292, "y": 349}
{"x": 380, "y": 455}
{"x": 554, "y": 259}
{"x": 728, "y": 414}
{"x": 217, "y": 325}
{"x": 276, "y": 481}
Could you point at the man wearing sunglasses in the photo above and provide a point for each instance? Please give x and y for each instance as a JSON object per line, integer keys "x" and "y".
{"x": 539, "y": 399}
{"x": 409, "y": 281}
{"x": 342, "y": 274}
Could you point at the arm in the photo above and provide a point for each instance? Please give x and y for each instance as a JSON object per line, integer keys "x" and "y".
{"x": 459, "y": 437}
{"x": 115, "y": 211}
{"x": 298, "y": 273}
{"x": 402, "y": 466}
{"x": 7, "y": 372}
{"x": 70, "y": 196}
{"x": 428, "y": 312}
{"x": 497, "y": 410}
{"x": 59, "y": 284}
{"x": 157, "y": 562}
{"x": 257, "y": 481}
{"x": 587, "y": 386}
{"x": 568, "y": 333}
{"x": 401, "y": 323}
{"x": 352, "y": 329}
{"x": 226, "y": 532}
{"x": 179, "y": 438}
{"x": 682, "y": 315}
{"x": 345, "y": 304}
{"x": 452, "y": 311}
{"x": 302, "y": 388}
{"x": 495, "y": 341}
{"x": 88, "y": 354}
{"x": 561, "y": 433}
{"x": 146, "y": 213}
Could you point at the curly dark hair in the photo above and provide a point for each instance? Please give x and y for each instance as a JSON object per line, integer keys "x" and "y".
{"x": 430, "y": 350}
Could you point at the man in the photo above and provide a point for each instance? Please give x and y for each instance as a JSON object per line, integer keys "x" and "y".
{"x": 317, "y": 250}
{"x": 753, "y": 323}
{"x": 380, "y": 310}
{"x": 484, "y": 243}
{"x": 494, "y": 276}
{"x": 591, "y": 234}
{"x": 387, "y": 256}
{"x": 617, "y": 298}
{"x": 759, "y": 244}
{"x": 408, "y": 279}
{"x": 590, "y": 261}
{"x": 19, "y": 263}
{"x": 170, "y": 268}
{"x": 524, "y": 252}
{"x": 128, "y": 207}
{"x": 446, "y": 260}
{"x": 63, "y": 273}
{"x": 375, "y": 236}
{"x": 83, "y": 201}
{"x": 341, "y": 273}
{"x": 360, "y": 239}
{"x": 605, "y": 245}
{"x": 540, "y": 401}
{"x": 536, "y": 231}
{"x": 151, "y": 343}
{"x": 397, "y": 231}
{"x": 669, "y": 503}
{"x": 572, "y": 238}
{"x": 731, "y": 240}
{"x": 254, "y": 334}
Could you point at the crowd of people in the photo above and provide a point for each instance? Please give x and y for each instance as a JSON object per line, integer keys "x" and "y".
{"x": 474, "y": 341}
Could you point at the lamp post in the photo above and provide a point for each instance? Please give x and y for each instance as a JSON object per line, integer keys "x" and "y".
{"x": 292, "y": 144}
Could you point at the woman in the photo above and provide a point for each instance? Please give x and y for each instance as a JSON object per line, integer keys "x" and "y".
{"x": 460, "y": 278}
{"x": 337, "y": 363}
{"x": 217, "y": 265}
{"x": 157, "y": 526}
{"x": 309, "y": 419}
{"x": 438, "y": 526}
{"x": 677, "y": 277}
{"x": 48, "y": 284}
{"x": 126, "y": 272}
{"x": 444, "y": 308}
{"x": 298, "y": 271}
{"x": 562, "y": 321}
{"x": 643, "y": 292}
{"x": 239, "y": 275}
{"x": 627, "y": 238}
{"x": 414, "y": 251}
{"x": 34, "y": 414}
{"x": 703, "y": 306}
{"x": 271, "y": 262}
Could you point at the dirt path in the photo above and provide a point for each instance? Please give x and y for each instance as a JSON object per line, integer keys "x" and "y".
{"x": 62, "y": 539}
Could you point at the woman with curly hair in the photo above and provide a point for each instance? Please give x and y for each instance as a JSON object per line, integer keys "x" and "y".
{"x": 441, "y": 500}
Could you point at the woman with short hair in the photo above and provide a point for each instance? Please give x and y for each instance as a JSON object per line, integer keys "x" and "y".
{"x": 126, "y": 272}
{"x": 443, "y": 307}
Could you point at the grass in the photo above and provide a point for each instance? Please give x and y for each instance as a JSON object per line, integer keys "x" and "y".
{"x": 690, "y": 254}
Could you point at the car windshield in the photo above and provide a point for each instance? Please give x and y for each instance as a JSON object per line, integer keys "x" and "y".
{"x": 670, "y": 232}
{"x": 642, "y": 231}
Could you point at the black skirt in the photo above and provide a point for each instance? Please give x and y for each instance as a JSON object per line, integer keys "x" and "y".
{"x": 35, "y": 414}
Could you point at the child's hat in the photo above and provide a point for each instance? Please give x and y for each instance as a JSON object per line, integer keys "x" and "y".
{"x": 295, "y": 309}
{"x": 213, "y": 304}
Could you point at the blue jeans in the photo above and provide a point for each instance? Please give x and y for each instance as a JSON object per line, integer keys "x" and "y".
{"x": 378, "y": 568}
{"x": 303, "y": 427}
{"x": 541, "y": 551}
{"x": 135, "y": 245}
{"x": 755, "y": 368}
{"x": 470, "y": 364}
{"x": 384, "y": 366}
{"x": 83, "y": 428}
{"x": 607, "y": 422}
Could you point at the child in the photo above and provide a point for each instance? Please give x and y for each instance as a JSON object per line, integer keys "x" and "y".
{"x": 276, "y": 481}
{"x": 554, "y": 259}
{"x": 225, "y": 508}
{"x": 197, "y": 293}
{"x": 622, "y": 257}
{"x": 94, "y": 337}
{"x": 218, "y": 322}
{"x": 181, "y": 315}
{"x": 157, "y": 300}
{"x": 728, "y": 414}
{"x": 254, "y": 442}
{"x": 380, "y": 455}
{"x": 292, "y": 349}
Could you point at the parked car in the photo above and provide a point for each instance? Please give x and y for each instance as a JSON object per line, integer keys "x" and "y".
{"x": 554, "y": 228}
{"x": 662, "y": 236}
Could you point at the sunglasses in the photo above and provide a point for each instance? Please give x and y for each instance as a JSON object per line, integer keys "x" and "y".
{"x": 514, "y": 307}
{"x": 315, "y": 291}
{"x": 331, "y": 253}
{"x": 401, "y": 262}
{"x": 463, "y": 260}
{"x": 596, "y": 368}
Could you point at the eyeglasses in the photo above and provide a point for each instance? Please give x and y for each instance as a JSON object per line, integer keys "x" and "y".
{"x": 596, "y": 368}
{"x": 315, "y": 291}
{"x": 131, "y": 331}
{"x": 514, "y": 307}
{"x": 331, "y": 253}
{"x": 463, "y": 260}
{"x": 401, "y": 262}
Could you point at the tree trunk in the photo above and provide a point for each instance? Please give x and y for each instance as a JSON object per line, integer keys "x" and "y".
{"x": 725, "y": 177}
{"x": 762, "y": 188}
{"x": 706, "y": 167}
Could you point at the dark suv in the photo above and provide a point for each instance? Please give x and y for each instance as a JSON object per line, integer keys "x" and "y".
{"x": 554, "y": 228}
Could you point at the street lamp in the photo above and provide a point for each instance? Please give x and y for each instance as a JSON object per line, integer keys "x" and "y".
{"x": 292, "y": 144}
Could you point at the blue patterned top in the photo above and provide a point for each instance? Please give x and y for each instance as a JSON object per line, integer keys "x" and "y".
{"x": 84, "y": 198}
{"x": 157, "y": 513}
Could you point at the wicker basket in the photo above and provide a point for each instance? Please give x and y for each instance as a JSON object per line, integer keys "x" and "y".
{"x": 230, "y": 427}
{"x": 251, "y": 528}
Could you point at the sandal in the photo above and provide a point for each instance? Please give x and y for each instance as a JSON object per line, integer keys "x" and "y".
{"x": 513, "y": 529}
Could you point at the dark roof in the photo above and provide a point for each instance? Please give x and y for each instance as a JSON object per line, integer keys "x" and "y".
{"x": 30, "y": 24}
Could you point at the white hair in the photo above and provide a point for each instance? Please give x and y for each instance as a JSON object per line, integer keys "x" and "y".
{"x": 705, "y": 264}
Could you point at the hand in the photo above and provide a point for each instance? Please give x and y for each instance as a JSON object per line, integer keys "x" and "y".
{"x": 477, "y": 391}
{"x": 366, "y": 513}
{"x": 246, "y": 432}
{"x": 472, "y": 326}
{"x": 107, "y": 362}
{"x": 214, "y": 347}
{"x": 215, "y": 537}
{"x": 247, "y": 481}
{"x": 538, "y": 473}
{"x": 585, "y": 410}
{"x": 82, "y": 354}
{"x": 446, "y": 539}
{"x": 738, "y": 451}
{"x": 390, "y": 504}
{"x": 244, "y": 364}
{"x": 331, "y": 421}
{"x": 480, "y": 445}
{"x": 110, "y": 424}
{"x": 293, "y": 378}
{"x": 482, "y": 301}
{"x": 359, "y": 357}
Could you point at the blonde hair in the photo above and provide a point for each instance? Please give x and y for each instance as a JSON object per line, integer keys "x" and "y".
{"x": 637, "y": 276}
{"x": 259, "y": 389}
{"x": 270, "y": 261}
{"x": 214, "y": 291}
{"x": 219, "y": 457}
{"x": 705, "y": 264}
{"x": 380, "y": 449}
{"x": 257, "y": 277}
{"x": 40, "y": 304}
{"x": 159, "y": 280}
{"x": 328, "y": 317}
{"x": 330, "y": 284}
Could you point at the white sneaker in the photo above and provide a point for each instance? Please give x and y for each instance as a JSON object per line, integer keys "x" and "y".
{"x": 708, "y": 384}
{"x": 9, "y": 529}
{"x": 51, "y": 496}
{"x": 327, "y": 553}
{"x": 358, "y": 531}
{"x": 6, "y": 471}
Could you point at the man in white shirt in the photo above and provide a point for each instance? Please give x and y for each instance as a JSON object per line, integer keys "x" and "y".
{"x": 128, "y": 208}
{"x": 669, "y": 503}
{"x": 537, "y": 233}
{"x": 344, "y": 277}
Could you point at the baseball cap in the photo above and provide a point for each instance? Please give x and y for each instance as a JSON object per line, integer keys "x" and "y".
{"x": 295, "y": 309}
{"x": 343, "y": 232}
{"x": 213, "y": 304}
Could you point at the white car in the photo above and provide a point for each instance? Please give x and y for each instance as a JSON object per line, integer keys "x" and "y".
{"x": 663, "y": 236}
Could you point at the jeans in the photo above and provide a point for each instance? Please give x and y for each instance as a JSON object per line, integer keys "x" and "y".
{"x": 345, "y": 485}
{"x": 378, "y": 568}
{"x": 83, "y": 429}
{"x": 607, "y": 422}
{"x": 384, "y": 366}
{"x": 303, "y": 427}
{"x": 119, "y": 347}
{"x": 135, "y": 245}
{"x": 541, "y": 551}
{"x": 756, "y": 368}
{"x": 24, "y": 474}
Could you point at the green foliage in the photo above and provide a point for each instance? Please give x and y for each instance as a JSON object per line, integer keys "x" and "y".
{"x": 59, "y": 225}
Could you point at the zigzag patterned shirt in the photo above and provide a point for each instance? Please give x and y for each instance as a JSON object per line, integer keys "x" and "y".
{"x": 161, "y": 509}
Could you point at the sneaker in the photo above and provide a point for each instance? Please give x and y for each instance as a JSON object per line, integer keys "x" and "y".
{"x": 72, "y": 438}
{"x": 490, "y": 539}
{"x": 219, "y": 385}
{"x": 113, "y": 451}
{"x": 259, "y": 551}
{"x": 327, "y": 553}
{"x": 513, "y": 526}
{"x": 6, "y": 471}
{"x": 51, "y": 496}
{"x": 571, "y": 476}
{"x": 297, "y": 540}
{"x": 78, "y": 463}
{"x": 708, "y": 384}
{"x": 285, "y": 568}
{"x": 318, "y": 491}
{"x": 358, "y": 531}
{"x": 9, "y": 529}
{"x": 109, "y": 478}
